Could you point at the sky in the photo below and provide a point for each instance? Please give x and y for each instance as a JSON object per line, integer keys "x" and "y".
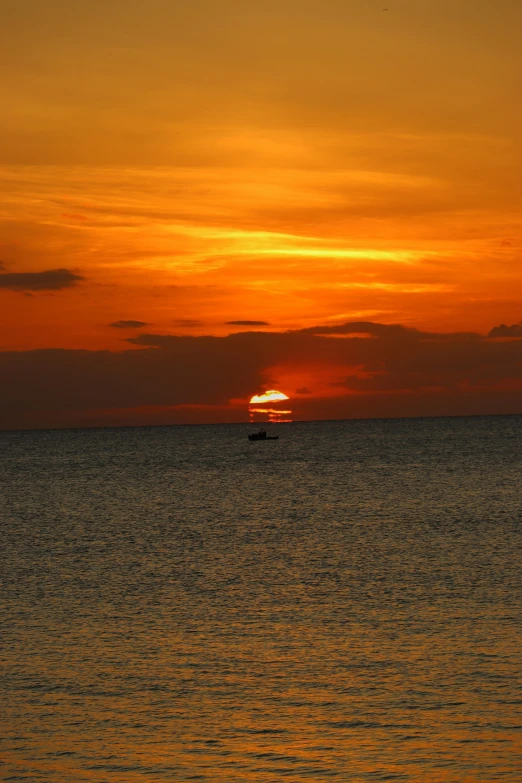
{"x": 200, "y": 201}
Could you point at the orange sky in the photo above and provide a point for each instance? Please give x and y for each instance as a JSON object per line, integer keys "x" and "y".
{"x": 290, "y": 163}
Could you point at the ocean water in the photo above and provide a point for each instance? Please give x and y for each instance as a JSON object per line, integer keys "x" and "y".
{"x": 179, "y": 604}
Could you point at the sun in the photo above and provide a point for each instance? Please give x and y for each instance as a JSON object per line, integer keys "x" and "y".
{"x": 272, "y": 395}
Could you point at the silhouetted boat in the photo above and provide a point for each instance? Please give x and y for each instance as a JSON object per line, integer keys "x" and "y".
{"x": 261, "y": 435}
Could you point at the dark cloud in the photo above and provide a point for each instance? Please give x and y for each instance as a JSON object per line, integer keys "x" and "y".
{"x": 49, "y": 280}
{"x": 400, "y": 372}
{"x": 56, "y": 387}
{"x": 303, "y": 390}
{"x": 515, "y": 330}
{"x": 362, "y": 327}
{"x": 247, "y": 323}
{"x": 128, "y": 324}
{"x": 393, "y": 332}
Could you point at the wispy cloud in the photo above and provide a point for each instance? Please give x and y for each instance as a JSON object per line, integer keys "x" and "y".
{"x": 187, "y": 323}
{"x": 128, "y": 324}
{"x": 247, "y": 323}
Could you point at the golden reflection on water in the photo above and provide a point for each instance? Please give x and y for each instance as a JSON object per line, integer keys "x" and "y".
{"x": 287, "y": 699}
{"x": 177, "y": 607}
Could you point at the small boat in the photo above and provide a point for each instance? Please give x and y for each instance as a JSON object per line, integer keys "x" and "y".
{"x": 261, "y": 435}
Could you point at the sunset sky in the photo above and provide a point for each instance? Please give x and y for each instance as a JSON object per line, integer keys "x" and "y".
{"x": 203, "y": 200}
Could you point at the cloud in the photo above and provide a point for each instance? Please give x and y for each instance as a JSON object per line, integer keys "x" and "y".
{"x": 515, "y": 330}
{"x": 247, "y": 323}
{"x": 401, "y": 372}
{"x": 364, "y": 329}
{"x": 128, "y": 324}
{"x": 49, "y": 280}
{"x": 56, "y": 387}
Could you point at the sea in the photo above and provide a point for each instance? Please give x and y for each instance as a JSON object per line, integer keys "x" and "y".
{"x": 344, "y": 603}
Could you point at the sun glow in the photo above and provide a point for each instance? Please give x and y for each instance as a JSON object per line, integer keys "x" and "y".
{"x": 269, "y": 396}
{"x": 269, "y": 407}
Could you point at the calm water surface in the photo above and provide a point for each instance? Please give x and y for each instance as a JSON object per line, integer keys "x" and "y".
{"x": 342, "y": 604}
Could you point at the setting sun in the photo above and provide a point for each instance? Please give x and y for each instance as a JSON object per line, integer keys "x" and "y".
{"x": 268, "y": 407}
{"x": 269, "y": 396}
